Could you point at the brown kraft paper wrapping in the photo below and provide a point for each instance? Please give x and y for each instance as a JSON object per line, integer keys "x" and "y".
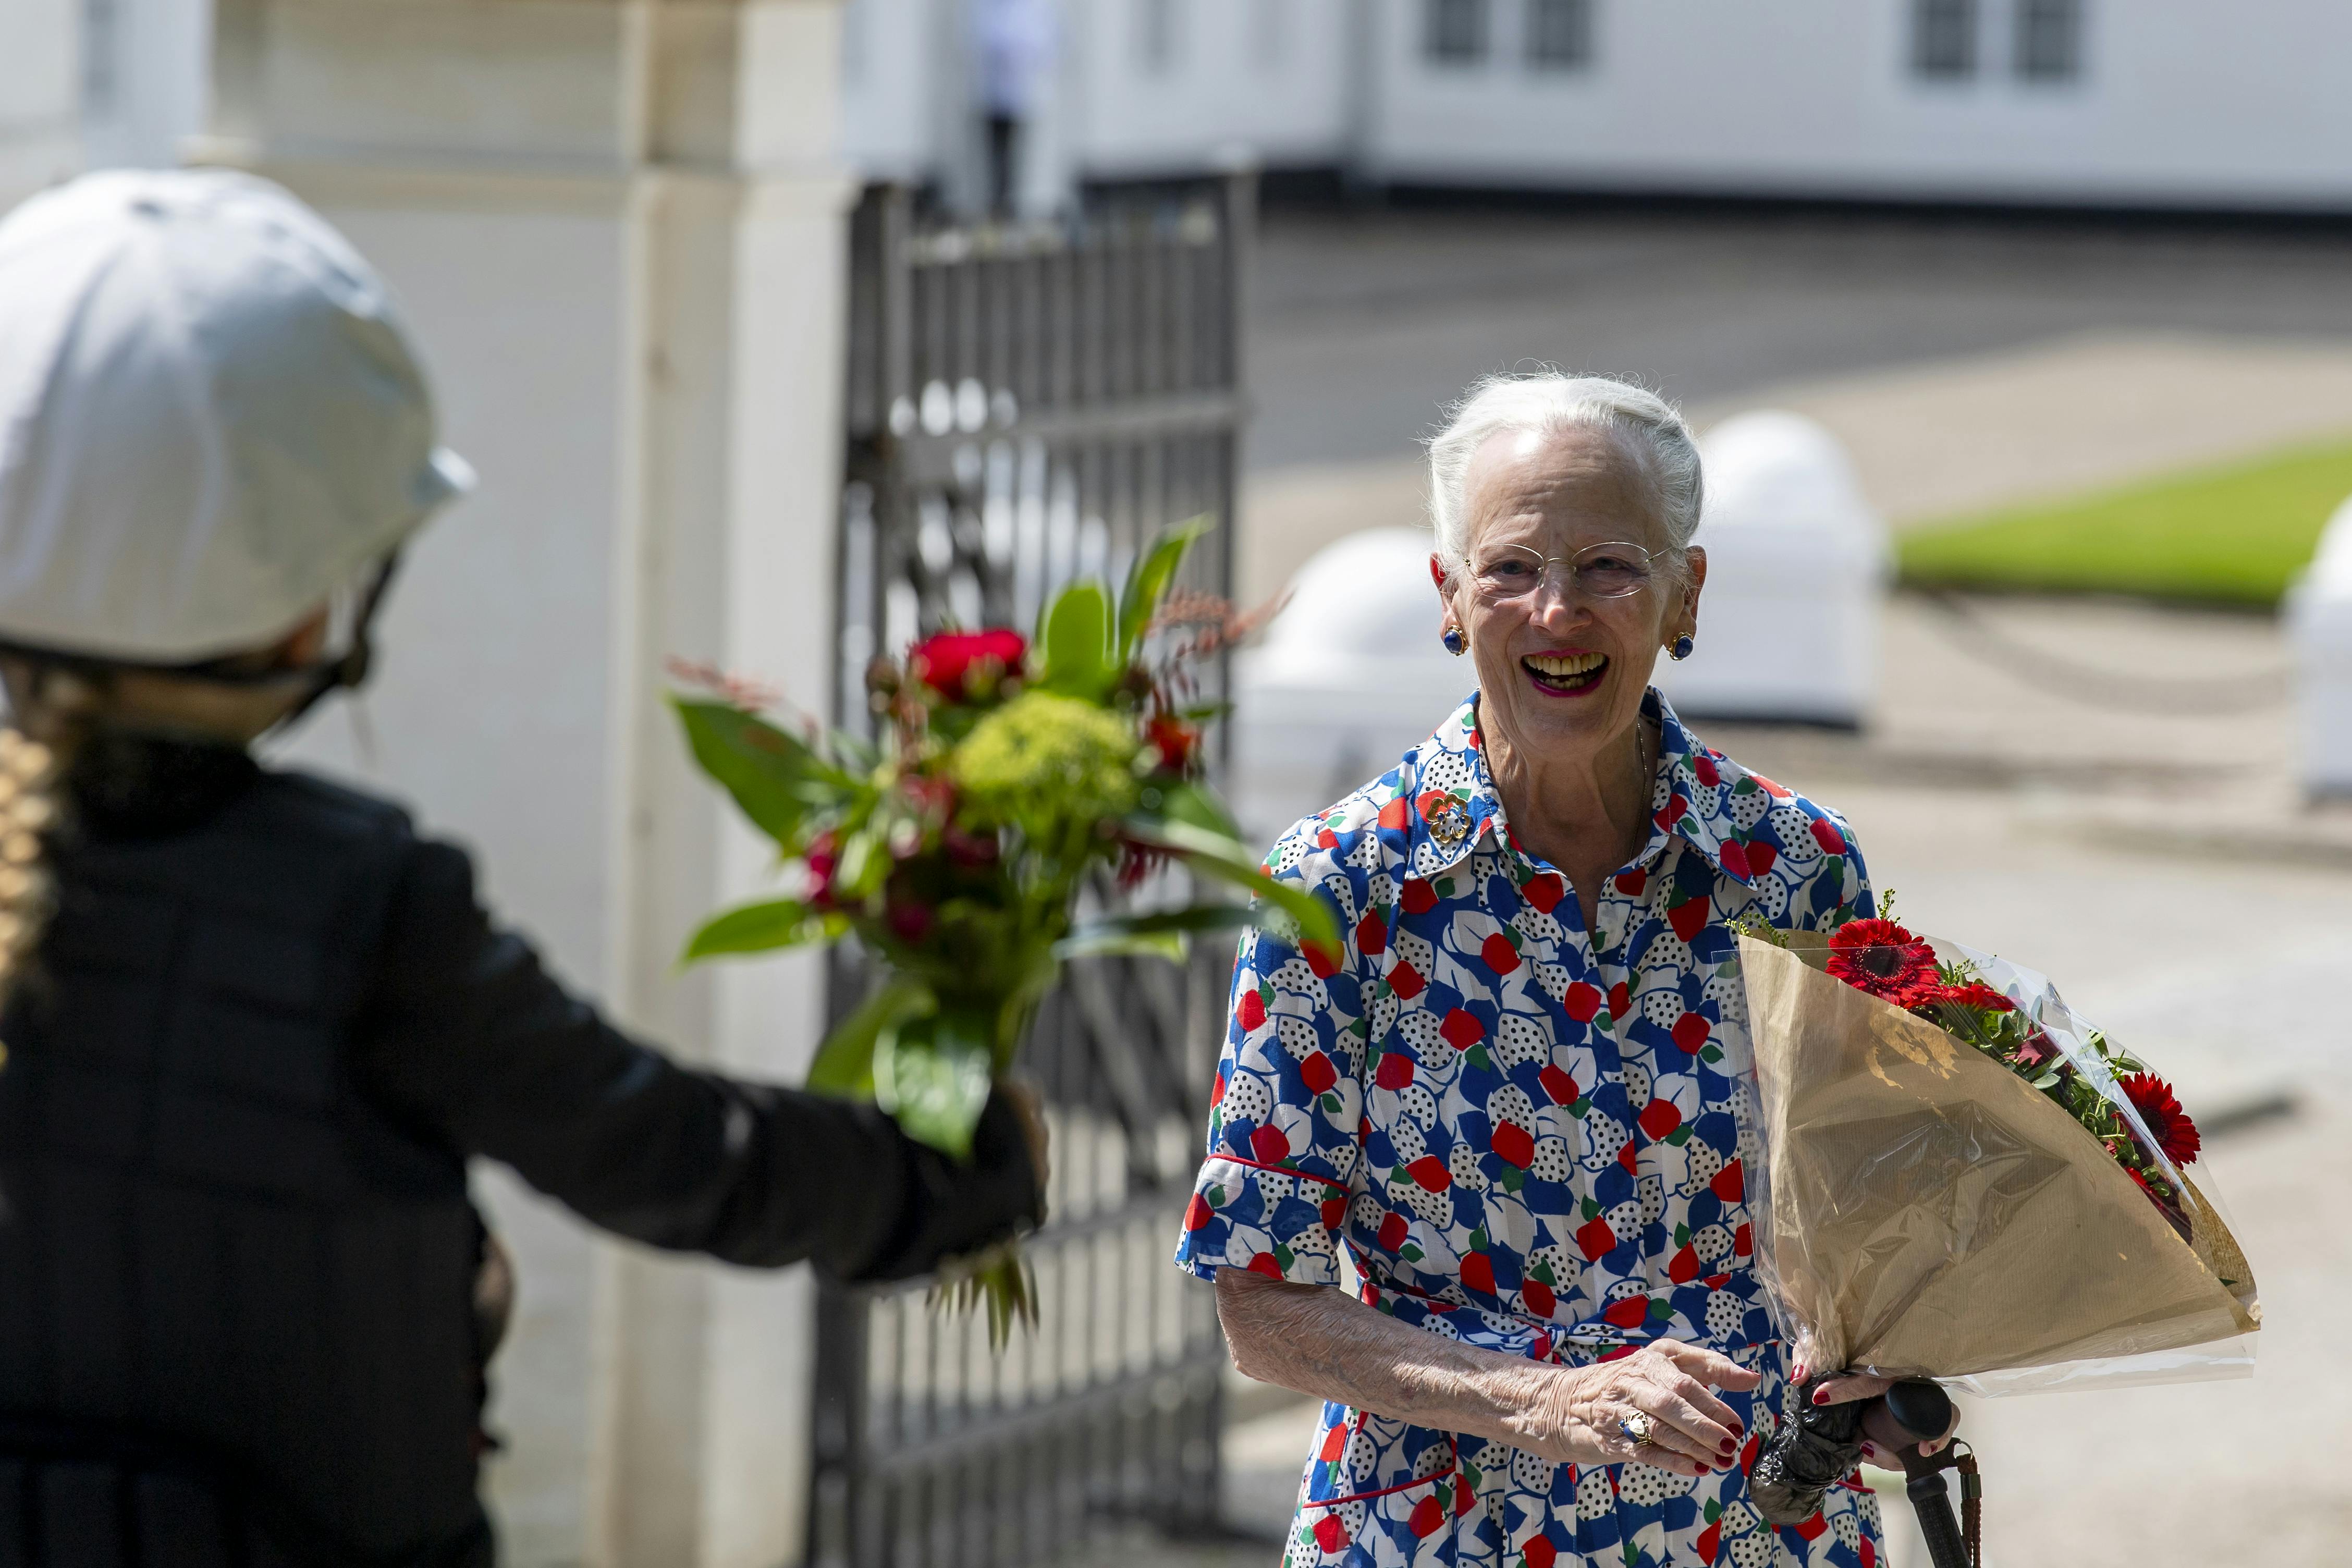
{"x": 1928, "y": 1213}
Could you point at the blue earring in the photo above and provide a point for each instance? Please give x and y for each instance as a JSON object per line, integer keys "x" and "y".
{"x": 1682, "y": 649}
{"x": 1454, "y": 642}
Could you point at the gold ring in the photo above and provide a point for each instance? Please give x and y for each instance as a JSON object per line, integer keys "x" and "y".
{"x": 1639, "y": 1429}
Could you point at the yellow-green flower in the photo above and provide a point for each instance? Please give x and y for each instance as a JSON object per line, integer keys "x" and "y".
{"x": 1043, "y": 756}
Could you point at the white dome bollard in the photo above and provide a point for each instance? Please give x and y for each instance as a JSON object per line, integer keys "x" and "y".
{"x": 2319, "y": 639}
{"x": 1350, "y": 677}
{"x": 1797, "y": 567}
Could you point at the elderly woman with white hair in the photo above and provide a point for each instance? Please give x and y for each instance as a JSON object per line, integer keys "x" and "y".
{"x": 1511, "y": 1096}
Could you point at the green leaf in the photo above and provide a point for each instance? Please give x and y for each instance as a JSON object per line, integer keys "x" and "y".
{"x": 1148, "y": 583}
{"x": 1183, "y": 801}
{"x": 1228, "y": 860}
{"x": 931, "y": 1073}
{"x": 1079, "y": 659}
{"x": 845, "y": 1063}
{"x": 762, "y": 927}
{"x": 1160, "y": 932}
{"x": 774, "y": 775}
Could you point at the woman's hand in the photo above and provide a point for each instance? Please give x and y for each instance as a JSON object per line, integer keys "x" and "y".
{"x": 1579, "y": 1419}
{"x": 1848, "y": 1387}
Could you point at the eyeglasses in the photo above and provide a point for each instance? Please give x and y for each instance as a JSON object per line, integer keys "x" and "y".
{"x": 1502, "y": 574}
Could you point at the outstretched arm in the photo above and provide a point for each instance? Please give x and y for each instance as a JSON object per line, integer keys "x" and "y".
{"x": 469, "y": 1039}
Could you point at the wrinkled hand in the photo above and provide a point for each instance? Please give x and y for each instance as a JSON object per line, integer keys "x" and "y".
{"x": 1847, "y": 1388}
{"x": 1670, "y": 1381}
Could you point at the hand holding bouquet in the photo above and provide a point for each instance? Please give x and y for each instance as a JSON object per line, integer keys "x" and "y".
{"x": 1010, "y": 782}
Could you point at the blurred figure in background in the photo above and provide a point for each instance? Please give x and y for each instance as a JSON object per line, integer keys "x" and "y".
{"x": 257, "y": 1025}
{"x": 1013, "y": 48}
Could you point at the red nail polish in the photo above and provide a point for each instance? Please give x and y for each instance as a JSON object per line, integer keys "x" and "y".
{"x": 1821, "y": 1396}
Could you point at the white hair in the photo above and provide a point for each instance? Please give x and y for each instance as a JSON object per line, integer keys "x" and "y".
{"x": 1546, "y": 401}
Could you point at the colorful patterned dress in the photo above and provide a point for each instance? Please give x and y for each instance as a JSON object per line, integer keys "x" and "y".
{"x": 1522, "y": 1136}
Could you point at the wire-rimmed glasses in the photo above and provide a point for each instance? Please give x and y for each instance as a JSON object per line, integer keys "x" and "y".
{"x": 1503, "y": 574}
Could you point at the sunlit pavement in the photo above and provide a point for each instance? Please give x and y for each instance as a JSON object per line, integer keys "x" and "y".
{"x": 2157, "y": 864}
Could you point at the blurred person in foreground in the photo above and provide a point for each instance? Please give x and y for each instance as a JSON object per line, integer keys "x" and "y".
{"x": 257, "y": 1025}
{"x": 1513, "y": 1095}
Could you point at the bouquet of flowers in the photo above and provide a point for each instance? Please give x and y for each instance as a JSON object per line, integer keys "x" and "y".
{"x": 1959, "y": 1178}
{"x": 1013, "y": 780}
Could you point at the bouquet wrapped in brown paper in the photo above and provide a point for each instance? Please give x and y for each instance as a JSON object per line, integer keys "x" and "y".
{"x": 1963, "y": 1181}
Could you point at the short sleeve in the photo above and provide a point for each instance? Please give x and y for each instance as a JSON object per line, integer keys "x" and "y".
{"x": 1283, "y": 1143}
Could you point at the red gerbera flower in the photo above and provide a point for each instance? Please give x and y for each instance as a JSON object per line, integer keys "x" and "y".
{"x": 1884, "y": 959}
{"x": 1975, "y": 994}
{"x": 2174, "y": 1132}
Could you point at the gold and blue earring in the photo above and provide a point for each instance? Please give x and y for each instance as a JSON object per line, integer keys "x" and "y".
{"x": 1457, "y": 644}
{"x": 1682, "y": 649}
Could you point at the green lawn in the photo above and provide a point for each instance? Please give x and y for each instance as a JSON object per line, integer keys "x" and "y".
{"x": 2236, "y": 534}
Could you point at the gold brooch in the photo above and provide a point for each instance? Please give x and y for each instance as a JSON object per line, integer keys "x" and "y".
{"x": 1449, "y": 824}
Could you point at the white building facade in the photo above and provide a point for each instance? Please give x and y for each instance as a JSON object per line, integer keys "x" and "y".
{"x": 2157, "y": 104}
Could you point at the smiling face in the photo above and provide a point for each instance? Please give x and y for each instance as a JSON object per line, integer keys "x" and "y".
{"x": 1560, "y": 671}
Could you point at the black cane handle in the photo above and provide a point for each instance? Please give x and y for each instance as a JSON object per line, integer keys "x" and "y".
{"x": 1921, "y": 1408}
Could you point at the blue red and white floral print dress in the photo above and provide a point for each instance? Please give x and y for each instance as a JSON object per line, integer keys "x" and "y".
{"x": 1524, "y": 1136}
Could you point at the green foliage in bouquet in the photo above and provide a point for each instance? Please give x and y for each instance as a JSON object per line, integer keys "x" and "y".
{"x": 1011, "y": 777}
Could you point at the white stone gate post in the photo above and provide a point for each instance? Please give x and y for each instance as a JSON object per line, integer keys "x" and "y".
{"x": 616, "y": 227}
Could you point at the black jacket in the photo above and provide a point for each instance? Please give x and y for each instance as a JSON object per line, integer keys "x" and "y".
{"x": 270, "y": 1026}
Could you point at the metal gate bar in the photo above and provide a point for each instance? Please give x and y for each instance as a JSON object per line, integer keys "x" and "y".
{"x": 1027, "y": 405}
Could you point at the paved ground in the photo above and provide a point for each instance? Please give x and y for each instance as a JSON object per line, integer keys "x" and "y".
{"x": 1963, "y": 364}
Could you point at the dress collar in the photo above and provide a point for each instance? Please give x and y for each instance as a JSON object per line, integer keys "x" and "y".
{"x": 1449, "y": 806}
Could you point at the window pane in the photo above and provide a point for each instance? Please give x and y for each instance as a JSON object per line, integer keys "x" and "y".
{"x": 1457, "y": 31}
{"x": 1944, "y": 37}
{"x": 1560, "y": 34}
{"x": 2050, "y": 39}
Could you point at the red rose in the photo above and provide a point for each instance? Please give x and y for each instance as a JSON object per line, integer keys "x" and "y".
{"x": 959, "y": 666}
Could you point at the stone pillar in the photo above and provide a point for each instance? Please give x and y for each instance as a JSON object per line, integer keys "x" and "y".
{"x": 40, "y": 95}
{"x": 616, "y": 227}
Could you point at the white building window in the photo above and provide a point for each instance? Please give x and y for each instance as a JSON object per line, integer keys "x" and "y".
{"x": 1160, "y": 41}
{"x": 1454, "y": 32}
{"x": 1559, "y": 35}
{"x": 2049, "y": 40}
{"x": 1944, "y": 39}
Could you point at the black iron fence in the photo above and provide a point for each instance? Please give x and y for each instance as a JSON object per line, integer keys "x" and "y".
{"x": 1027, "y": 405}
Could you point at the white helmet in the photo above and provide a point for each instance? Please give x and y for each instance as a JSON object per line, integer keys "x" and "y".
{"x": 210, "y": 418}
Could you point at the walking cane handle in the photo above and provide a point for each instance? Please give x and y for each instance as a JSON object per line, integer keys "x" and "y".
{"x": 1921, "y": 1408}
